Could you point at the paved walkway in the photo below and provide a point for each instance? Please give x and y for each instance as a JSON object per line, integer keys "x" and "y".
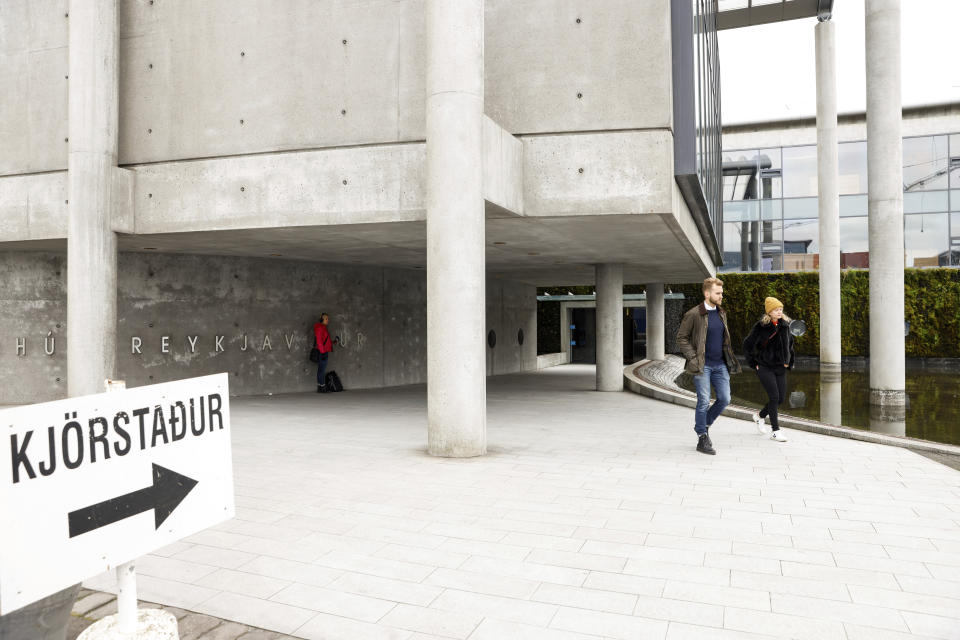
{"x": 592, "y": 517}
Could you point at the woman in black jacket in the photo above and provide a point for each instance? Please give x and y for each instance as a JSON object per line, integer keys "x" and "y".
{"x": 769, "y": 350}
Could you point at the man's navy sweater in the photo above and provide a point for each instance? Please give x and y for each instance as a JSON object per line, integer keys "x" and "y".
{"x": 714, "y": 346}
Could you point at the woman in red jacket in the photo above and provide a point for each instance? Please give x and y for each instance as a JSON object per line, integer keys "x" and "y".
{"x": 324, "y": 345}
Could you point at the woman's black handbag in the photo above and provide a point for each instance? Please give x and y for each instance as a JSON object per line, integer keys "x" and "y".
{"x": 314, "y": 355}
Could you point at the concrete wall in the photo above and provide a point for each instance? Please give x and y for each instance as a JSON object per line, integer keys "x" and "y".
{"x": 379, "y": 313}
{"x": 232, "y": 77}
{"x": 509, "y": 310}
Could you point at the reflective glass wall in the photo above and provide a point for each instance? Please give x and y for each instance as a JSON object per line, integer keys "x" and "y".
{"x": 707, "y": 96}
{"x": 770, "y": 206}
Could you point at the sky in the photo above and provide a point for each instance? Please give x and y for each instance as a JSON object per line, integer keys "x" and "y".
{"x": 768, "y": 72}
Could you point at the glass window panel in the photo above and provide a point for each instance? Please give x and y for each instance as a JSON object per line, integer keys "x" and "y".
{"x": 854, "y": 244}
{"x": 799, "y": 172}
{"x": 801, "y": 247}
{"x": 955, "y": 161}
{"x": 800, "y": 208}
{"x": 925, "y": 202}
{"x": 852, "y": 167}
{"x": 732, "y": 250}
{"x": 853, "y": 206}
{"x": 926, "y": 240}
{"x": 955, "y": 200}
{"x": 771, "y": 209}
{"x": 925, "y": 163}
{"x": 955, "y": 239}
{"x": 771, "y": 245}
{"x": 739, "y": 168}
{"x": 752, "y": 246}
{"x": 771, "y": 182}
{"x": 742, "y": 210}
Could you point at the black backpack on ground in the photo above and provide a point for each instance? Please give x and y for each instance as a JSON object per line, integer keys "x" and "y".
{"x": 332, "y": 381}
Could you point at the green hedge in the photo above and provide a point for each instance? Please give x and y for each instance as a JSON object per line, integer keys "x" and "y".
{"x": 931, "y": 302}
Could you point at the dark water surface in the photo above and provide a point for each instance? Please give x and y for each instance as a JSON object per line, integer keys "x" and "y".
{"x": 933, "y": 409}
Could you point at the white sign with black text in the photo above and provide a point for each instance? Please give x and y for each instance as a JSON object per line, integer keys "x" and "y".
{"x": 92, "y": 482}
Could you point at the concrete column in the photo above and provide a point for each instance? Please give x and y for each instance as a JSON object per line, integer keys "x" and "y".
{"x": 831, "y": 397}
{"x": 92, "y": 161}
{"x": 456, "y": 294}
{"x": 609, "y": 327}
{"x": 885, "y": 196}
{"x": 655, "y": 331}
{"x": 829, "y": 196}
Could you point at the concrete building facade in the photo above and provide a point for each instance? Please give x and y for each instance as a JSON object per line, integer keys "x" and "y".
{"x": 232, "y": 169}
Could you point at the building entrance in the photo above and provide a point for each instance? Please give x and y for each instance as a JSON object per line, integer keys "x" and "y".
{"x": 583, "y": 335}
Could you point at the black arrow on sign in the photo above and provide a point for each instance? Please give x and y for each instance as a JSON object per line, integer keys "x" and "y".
{"x": 168, "y": 490}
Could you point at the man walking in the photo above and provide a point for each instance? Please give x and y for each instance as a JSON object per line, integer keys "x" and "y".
{"x": 704, "y": 340}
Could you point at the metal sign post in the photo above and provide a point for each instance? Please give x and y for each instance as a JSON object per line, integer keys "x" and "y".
{"x": 126, "y": 572}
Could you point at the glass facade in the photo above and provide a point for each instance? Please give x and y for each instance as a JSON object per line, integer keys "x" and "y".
{"x": 770, "y": 205}
{"x": 707, "y": 98}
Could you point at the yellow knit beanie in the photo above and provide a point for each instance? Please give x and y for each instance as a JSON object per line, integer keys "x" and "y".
{"x": 772, "y": 303}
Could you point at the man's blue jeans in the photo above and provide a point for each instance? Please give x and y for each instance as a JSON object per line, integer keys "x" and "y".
{"x": 322, "y": 369}
{"x": 719, "y": 377}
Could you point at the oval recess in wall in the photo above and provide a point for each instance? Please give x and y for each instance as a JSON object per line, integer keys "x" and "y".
{"x": 520, "y": 336}
{"x": 492, "y": 338}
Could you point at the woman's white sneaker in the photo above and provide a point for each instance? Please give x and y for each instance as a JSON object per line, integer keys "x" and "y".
{"x": 761, "y": 427}
{"x": 778, "y": 436}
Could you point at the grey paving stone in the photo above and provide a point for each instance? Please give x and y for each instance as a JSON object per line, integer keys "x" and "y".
{"x": 194, "y": 625}
{"x": 90, "y": 601}
{"x": 223, "y": 631}
{"x": 260, "y": 634}
{"x": 177, "y": 613}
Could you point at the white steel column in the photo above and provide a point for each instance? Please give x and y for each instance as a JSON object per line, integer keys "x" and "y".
{"x": 829, "y": 196}
{"x": 456, "y": 294}
{"x": 655, "y": 331}
{"x": 885, "y": 196}
{"x": 92, "y": 160}
{"x": 609, "y": 327}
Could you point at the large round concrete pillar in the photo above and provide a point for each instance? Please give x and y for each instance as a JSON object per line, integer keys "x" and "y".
{"x": 885, "y": 197}
{"x": 91, "y": 162}
{"x": 829, "y": 196}
{"x": 456, "y": 294}
{"x": 609, "y": 327}
{"x": 655, "y": 332}
{"x": 831, "y": 397}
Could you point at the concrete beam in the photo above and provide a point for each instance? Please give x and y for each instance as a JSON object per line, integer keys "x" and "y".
{"x": 33, "y": 207}
{"x": 502, "y": 170}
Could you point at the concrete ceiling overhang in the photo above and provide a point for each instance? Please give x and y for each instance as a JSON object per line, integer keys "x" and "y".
{"x": 540, "y": 251}
{"x": 735, "y": 14}
{"x": 543, "y": 251}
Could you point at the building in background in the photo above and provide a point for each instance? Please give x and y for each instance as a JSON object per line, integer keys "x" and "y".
{"x": 770, "y": 192}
